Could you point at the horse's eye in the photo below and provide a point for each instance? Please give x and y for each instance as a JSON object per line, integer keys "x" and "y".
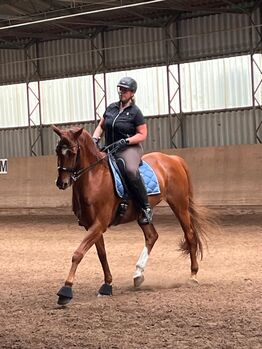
{"x": 57, "y": 150}
{"x": 62, "y": 149}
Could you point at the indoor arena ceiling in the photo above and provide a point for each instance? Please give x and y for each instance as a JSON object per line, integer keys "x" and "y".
{"x": 23, "y": 22}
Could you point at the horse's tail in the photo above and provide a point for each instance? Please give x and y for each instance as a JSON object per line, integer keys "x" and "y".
{"x": 200, "y": 219}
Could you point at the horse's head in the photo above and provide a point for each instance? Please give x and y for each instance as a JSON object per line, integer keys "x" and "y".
{"x": 67, "y": 152}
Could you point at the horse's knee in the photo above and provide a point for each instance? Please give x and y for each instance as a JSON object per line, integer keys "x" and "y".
{"x": 77, "y": 257}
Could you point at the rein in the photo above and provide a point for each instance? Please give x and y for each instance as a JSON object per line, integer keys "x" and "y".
{"x": 76, "y": 174}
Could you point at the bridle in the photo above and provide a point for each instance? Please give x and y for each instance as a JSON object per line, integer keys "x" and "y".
{"x": 76, "y": 174}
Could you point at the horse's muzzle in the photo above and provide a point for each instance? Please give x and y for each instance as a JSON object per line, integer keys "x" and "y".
{"x": 63, "y": 184}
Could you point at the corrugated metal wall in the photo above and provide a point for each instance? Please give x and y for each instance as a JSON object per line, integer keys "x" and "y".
{"x": 13, "y": 105}
{"x": 188, "y": 39}
{"x": 67, "y": 57}
{"x": 136, "y": 47}
{"x": 200, "y": 130}
{"x": 205, "y": 85}
{"x": 218, "y": 84}
{"x": 72, "y": 100}
{"x": 67, "y": 100}
{"x": 221, "y": 128}
{"x": 14, "y": 142}
{"x": 216, "y": 35}
{"x": 14, "y": 67}
{"x": 194, "y": 38}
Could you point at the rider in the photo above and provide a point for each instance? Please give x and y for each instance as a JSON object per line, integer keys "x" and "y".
{"x": 124, "y": 123}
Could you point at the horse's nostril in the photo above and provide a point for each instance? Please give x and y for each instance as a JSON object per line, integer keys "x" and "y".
{"x": 59, "y": 184}
{"x": 63, "y": 183}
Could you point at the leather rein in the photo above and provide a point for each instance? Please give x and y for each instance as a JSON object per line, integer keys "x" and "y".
{"x": 76, "y": 174}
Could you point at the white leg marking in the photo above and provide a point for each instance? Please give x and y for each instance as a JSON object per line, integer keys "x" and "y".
{"x": 141, "y": 263}
{"x": 193, "y": 279}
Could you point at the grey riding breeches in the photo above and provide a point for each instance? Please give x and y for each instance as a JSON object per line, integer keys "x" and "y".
{"x": 128, "y": 160}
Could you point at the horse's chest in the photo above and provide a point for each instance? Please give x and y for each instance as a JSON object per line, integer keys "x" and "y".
{"x": 84, "y": 210}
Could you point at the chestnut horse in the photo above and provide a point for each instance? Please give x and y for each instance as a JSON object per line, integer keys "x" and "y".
{"x": 95, "y": 203}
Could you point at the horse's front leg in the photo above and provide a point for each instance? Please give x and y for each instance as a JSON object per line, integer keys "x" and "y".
{"x": 150, "y": 238}
{"x": 94, "y": 234}
{"x": 106, "y": 288}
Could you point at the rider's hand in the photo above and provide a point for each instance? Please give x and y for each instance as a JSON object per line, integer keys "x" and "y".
{"x": 96, "y": 141}
{"x": 122, "y": 143}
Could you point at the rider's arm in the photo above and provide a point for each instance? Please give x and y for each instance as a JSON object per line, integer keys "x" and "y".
{"x": 140, "y": 136}
{"x": 99, "y": 129}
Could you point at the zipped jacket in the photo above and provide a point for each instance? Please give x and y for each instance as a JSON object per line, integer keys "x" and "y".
{"x": 122, "y": 124}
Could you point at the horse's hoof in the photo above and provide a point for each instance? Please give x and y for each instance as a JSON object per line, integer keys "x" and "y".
{"x": 193, "y": 281}
{"x": 138, "y": 280}
{"x": 105, "y": 290}
{"x": 63, "y": 300}
{"x": 65, "y": 294}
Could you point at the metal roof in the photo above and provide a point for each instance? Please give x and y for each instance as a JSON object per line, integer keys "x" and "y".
{"x": 24, "y": 22}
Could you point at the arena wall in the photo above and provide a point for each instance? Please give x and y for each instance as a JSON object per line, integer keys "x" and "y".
{"x": 229, "y": 175}
{"x": 222, "y": 176}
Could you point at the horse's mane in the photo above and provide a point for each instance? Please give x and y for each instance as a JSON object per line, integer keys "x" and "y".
{"x": 88, "y": 143}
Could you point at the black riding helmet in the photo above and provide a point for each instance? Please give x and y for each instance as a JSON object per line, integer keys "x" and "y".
{"x": 128, "y": 83}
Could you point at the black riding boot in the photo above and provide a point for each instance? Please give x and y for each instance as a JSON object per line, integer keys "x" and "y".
{"x": 138, "y": 190}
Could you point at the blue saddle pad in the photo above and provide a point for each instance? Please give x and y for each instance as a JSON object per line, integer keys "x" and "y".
{"x": 146, "y": 171}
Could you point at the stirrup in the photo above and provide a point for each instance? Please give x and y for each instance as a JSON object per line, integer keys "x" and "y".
{"x": 147, "y": 216}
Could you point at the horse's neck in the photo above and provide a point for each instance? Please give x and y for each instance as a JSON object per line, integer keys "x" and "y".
{"x": 88, "y": 153}
{"x": 86, "y": 159}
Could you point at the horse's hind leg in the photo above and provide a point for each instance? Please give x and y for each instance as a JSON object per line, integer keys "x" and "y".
{"x": 150, "y": 239}
{"x": 106, "y": 288}
{"x": 191, "y": 243}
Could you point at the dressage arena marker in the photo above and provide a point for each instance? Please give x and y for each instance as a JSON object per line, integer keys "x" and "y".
{"x": 3, "y": 166}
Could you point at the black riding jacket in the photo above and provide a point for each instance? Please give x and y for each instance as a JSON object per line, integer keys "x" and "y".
{"x": 122, "y": 124}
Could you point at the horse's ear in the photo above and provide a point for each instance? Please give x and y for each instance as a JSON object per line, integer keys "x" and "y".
{"x": 56, "y": 130}
{"x": 78, "y": 133}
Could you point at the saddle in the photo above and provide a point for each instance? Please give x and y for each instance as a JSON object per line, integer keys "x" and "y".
{"x": 149, "y": 178}
{"x": 146, "y": 172}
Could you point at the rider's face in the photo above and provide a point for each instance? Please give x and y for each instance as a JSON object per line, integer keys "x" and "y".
{"x": 125, "y": 94}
